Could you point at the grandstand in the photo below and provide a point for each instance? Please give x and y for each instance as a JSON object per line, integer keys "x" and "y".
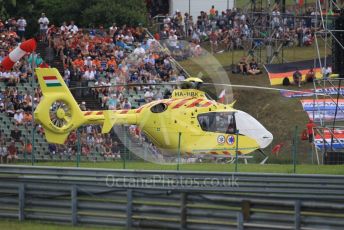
{"x": 90, "y": 96}
{"x": 7, "y": 124}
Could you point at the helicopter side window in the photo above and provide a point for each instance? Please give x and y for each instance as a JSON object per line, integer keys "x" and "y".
{"x": 159, "y": 108}
{"x": 219, "y": 122}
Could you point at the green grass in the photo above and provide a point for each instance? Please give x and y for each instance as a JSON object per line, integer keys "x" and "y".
{"x": 35, "y": 225}
{"x": 224, "y": 59}
{"x": 208, "y": 167}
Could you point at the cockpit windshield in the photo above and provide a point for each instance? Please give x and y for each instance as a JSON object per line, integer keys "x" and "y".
{"x": 219, "y": 122}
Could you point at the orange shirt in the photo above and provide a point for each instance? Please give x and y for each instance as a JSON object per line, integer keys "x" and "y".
{"x": 107, "y": 40}
{"x": 155, "y": 56}
{"x": 112, "y": 62}
{"x": 27, "y": 117}
{"x": 97, "y": 40}
{"x": 28, "y": 148}
{"x": 90, "y": 46}
{"x": 96, "y": 63}
{"x": 12, "y": 33}
{"x": 78, "y": 63}
{"x": 75, "y": 42}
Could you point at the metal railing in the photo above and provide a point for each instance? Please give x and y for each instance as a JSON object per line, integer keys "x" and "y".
{"x": 155, "y": 199}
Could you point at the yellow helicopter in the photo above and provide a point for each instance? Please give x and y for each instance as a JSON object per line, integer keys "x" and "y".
{"x": 188, "y": 121}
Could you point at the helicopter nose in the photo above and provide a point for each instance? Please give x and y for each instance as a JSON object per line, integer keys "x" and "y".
{"x": 265, "y": 139}
{"x": 249, "y": 126}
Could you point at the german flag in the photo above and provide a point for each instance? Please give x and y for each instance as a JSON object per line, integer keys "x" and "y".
{"x": 277, "y": 72}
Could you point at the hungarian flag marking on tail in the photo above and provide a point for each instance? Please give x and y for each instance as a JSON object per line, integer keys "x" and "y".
{"x": 51, "y": 81}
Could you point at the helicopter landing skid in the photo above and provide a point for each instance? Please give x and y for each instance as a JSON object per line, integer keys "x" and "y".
{"x": 227, "y": 159}
{"x": 230, "y": 159}
{"x": 264, "y": 155}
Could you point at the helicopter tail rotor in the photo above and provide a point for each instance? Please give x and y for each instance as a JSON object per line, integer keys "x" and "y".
{"x": 58, "y": 112}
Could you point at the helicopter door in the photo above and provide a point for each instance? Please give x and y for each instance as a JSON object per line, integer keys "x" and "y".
{"x": 218, "y": 122}
{"x": 249, "y": 126}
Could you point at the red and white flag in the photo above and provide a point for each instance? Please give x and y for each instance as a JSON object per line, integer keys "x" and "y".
{"x": 15, "y": 55}
{"x": 300, "y": 2}
{"x": 275, "y": 150}
{"x": 222, "y": 95}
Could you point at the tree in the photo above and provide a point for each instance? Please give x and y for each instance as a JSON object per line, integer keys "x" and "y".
{"x": 3, "y": 7}
{"x": 130, "y": 12}
{"x": 94, "y": 12}
{"x": 63, "y": 10}
{"x": 84, "y": 12}
{"x": 17, "y": 8}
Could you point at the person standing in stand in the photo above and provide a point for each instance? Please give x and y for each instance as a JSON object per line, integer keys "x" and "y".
{"x": 21, "y": 24}
{"x": 43, "y": 26}
{"x": 12, "y": 152}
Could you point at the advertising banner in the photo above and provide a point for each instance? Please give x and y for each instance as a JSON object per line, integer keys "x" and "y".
{"x": 323, "y": 109}
{"x": 334, "y": 139}
{"x": 310, "y": 92}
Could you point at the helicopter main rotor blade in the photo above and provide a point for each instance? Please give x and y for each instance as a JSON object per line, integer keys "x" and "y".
{"x": 127, "y": 85}
{"x": 203, "y": 84}
{"x": 262, "y": 88}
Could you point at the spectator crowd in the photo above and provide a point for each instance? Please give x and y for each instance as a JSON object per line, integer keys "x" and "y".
{"x": 232, "y": 29}
{"x": 236, "y": 28}
{"x": 16, "y": 103}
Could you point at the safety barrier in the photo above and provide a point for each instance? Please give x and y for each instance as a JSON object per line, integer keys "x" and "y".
{"x": 171, "y": 200}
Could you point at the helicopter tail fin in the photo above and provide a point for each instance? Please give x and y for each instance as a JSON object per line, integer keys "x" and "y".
{"x": 109, "y": 121}
{"x": 58, "y": 112}
{"x": 112, "y": 118}
{"x": 232, "y": 104}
